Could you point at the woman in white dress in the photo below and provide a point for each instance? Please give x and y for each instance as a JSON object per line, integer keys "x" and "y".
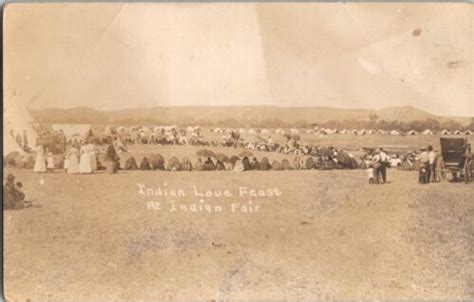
{"x": 73, "y": 163}
{"x": 85, "y": 166}
{"x": 40, "y": 161}
{"x": 50, "y": 162}
{"x": 93, "y": 158}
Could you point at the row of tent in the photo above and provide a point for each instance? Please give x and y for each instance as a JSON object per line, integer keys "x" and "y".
{"x": 443, "y": 132}
{"x": 325, "y": 131}
{"x": 72, "y": 131}
{"x": 77, "y": 130}
{"x": 122, "y": 129}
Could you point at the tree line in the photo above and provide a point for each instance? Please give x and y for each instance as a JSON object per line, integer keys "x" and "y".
{"x": 372, "y": 122}
{"x": 417, "y": 125}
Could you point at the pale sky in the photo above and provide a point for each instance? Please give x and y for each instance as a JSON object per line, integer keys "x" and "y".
{"x": 113, "y": 56}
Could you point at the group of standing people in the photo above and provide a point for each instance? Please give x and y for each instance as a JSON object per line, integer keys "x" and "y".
{"x": 377, "y": 166}
{"x": 377, "y": 169}
{"x": 43, "y": 162}
{"x": 429, "y": 170}
{"x": 77, "y": 159}
{"x": 81, "y": 160}
{"x": 21, "y": 140}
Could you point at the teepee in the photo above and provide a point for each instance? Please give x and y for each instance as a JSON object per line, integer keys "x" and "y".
{"x": 16, "y": 120}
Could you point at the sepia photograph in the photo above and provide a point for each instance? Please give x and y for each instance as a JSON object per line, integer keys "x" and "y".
{"x": 238, "y": 151}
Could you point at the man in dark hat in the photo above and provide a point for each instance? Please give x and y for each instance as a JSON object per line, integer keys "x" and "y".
{"x": 431, "y": 172}
{"x": 424, "y": 159}
{"x": 380, "y": 162}
{"x": 385, "y": 162}
{"x": 13, "y": 196}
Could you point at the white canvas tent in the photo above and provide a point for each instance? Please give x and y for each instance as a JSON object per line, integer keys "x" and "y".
{"x": 294, "y": 130}
{"x": 10, "y": 145}
{"x": 445, "y": 132}
{"x": 17, "y": 120}
{"x": 428, "y": 132}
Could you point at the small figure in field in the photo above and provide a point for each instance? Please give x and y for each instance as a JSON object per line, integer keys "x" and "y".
{"x": 371, "y": 174}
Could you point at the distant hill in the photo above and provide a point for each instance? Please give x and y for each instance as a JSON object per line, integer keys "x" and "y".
{"x": 232, "y": 116}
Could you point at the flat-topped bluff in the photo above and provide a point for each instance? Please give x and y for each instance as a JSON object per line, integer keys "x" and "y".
{"x": 242, "y": 115}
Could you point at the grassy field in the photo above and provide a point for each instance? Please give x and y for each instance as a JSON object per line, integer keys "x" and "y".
{"x": 320, "y": 235}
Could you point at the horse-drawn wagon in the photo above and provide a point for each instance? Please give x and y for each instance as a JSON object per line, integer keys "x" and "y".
{"x": 457, "y": 157}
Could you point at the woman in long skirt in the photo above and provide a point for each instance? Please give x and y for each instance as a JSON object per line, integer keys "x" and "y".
{"x": 73, "y": 161}
{"x": 93, "y": 157}
{"x": 40, "y": 161}
{"x": 85, "y": 166}
{"x": 50, "y": 162}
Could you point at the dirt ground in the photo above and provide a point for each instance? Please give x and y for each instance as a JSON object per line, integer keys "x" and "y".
{"x": 322, "y": 235}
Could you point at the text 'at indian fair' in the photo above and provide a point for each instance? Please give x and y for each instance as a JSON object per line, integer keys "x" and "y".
{"x": 202, "y": 206}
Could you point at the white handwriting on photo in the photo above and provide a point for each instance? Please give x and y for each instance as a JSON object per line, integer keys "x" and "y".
{"x": 241, "y": 199}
